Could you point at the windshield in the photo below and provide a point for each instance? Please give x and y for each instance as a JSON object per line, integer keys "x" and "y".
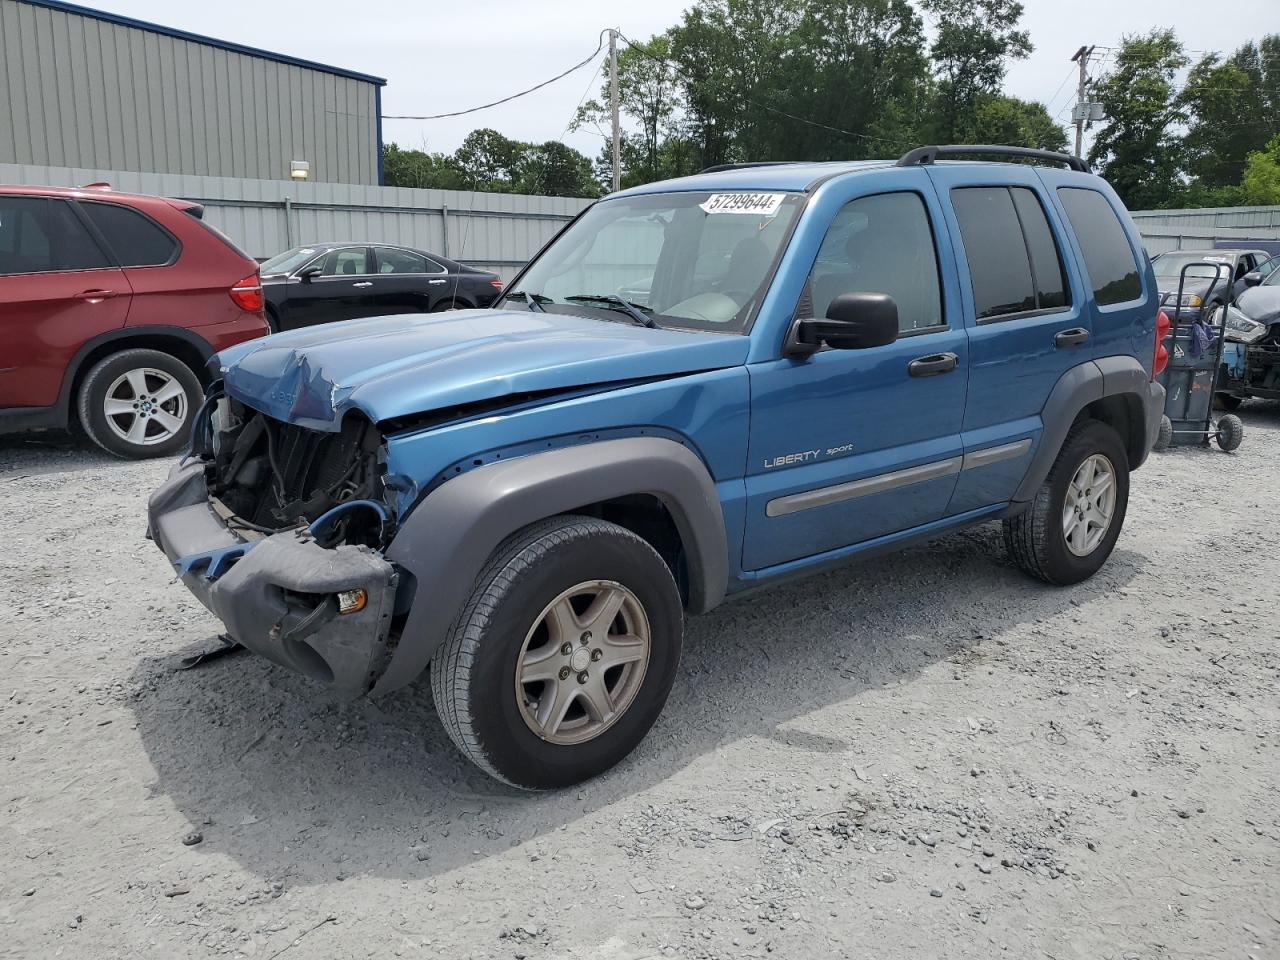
{"x": 1171, "y": 264}
{"x": 288, "y": 261}
{"x": 696, "y": 260}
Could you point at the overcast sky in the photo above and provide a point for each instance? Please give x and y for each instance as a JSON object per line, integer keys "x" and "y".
{"x": 439, "y": 56}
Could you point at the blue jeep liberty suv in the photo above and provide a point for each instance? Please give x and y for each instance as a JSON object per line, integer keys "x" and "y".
{"x": 697, "y": 387}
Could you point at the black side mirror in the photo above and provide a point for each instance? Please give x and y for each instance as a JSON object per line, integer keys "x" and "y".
{"x": 309, "y": 274}
{"x": 1252, "y": 279}
{"x": 854, "y": 321}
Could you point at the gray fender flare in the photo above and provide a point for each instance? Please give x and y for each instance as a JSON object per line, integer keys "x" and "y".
{"x": 447, "y": 539}
{"x": 1075, "y": 390}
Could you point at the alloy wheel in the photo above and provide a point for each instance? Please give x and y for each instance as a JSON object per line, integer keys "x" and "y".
{"x": 1089, "y": 505}
{"x": 582, "y": 662}
{"x": 145, "y": 406}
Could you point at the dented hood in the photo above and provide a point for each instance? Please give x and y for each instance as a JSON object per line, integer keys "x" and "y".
{"x": 390, "y": 367}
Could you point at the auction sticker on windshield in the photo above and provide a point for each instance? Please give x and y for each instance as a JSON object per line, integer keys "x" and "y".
{"x": 759, "y": 204}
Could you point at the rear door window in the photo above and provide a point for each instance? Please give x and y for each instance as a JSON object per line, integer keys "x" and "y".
{"x": 1015, "y": 267}
{"x": 394, "y": 260}
{"x": 43, "y": 235}
{"x": 135, "y": 239}
{"x": 1108, "y": 258}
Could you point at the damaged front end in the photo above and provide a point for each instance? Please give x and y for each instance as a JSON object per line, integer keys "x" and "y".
{"x": 279, "y": 531}
{"x": 1251, "y": 356}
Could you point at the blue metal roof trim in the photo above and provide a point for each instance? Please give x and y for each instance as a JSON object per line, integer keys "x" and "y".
{"x": 797, "y": 177}
{"x": 207, "y": 41}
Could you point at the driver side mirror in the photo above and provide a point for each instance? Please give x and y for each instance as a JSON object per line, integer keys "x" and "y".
{"x": 854, "y": 321}
{"x": 1252, "y": 279}
{"x": 309, "y": 274}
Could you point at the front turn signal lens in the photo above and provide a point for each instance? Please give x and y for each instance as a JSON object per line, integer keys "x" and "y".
{"x": 352, "y": 601}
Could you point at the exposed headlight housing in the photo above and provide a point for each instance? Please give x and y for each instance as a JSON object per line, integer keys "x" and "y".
{"x": 1189, "y": 300}
{"x": 1238, "y": 327}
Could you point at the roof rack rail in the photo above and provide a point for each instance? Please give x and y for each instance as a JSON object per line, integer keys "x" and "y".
{"x": 742, "y": 166}
{"x": 926, "y": 155}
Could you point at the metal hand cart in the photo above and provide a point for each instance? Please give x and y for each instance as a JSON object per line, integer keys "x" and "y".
{"x": 1190, "y": 378}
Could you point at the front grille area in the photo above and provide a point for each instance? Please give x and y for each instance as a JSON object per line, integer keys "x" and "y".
{"x": 314, "y": 470}
{"x": 275, "y": 474}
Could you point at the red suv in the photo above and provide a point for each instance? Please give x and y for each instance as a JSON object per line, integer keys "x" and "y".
{"x": 110, "y": 305}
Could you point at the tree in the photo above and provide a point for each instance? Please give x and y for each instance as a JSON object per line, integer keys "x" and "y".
{"x": 489, "y": 161}
{"x": 973, "y": 42}
{"x": 1234, "y": 106}
{"x": 1008, "y": 120}
{"x": 1261, "y": 182}
{"x": 417, "y": 168}
{"x": 554, "y": 169}
{"x": 1138, "y": 149}
{"x": 796, "y": 79}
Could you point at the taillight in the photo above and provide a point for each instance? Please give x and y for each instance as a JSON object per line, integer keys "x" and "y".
{"x": 496, "y": 284}
{"x": 247, "y": 294}
{"x": 1161, "y": 358}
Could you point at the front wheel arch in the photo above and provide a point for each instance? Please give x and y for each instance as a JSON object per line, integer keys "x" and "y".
{"x": 447, "y": 539}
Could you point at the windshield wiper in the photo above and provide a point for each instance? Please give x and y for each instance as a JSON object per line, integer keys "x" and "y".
{"x": 617, "y": 303}
{"x": 535, "y": 300}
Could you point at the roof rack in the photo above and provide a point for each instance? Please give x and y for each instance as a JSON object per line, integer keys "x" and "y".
{"x": 742, "y": 166}
{"x": 926, "y": 155}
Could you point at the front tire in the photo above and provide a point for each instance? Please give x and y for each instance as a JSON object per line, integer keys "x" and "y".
{"x": 564, "y": 655}
{"x": 1072, "y": 525}
{"x": 1230, "y": 432}
{"x": 139, "y": 403}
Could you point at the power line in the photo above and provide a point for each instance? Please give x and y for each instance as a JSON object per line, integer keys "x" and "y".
{"x": 582, "y": 99}
{"x": 515, "y": 96}
{"x": 1048, "y": 104}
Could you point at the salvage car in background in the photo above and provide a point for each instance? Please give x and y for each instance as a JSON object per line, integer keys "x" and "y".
{"x": 110, "y": 305}
{"x": 323, "y": 282}
{"x": 1251, "y": 353}
{"x": 1233, "y": 265}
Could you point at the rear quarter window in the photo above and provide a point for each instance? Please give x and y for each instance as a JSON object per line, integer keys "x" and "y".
{"x": 1108, "y": 258}
{"x": 135, "y": 239}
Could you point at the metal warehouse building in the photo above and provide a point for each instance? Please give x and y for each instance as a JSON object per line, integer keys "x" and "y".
{"x": 88, "y": 89}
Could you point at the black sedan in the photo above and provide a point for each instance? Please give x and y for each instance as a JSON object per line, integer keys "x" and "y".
{"x": 324, "y": 282}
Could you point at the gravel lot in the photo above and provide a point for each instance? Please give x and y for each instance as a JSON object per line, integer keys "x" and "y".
{"x": 925, "y": 756}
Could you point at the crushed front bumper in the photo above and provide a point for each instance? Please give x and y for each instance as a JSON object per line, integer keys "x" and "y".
{"x": 276, "y": 594}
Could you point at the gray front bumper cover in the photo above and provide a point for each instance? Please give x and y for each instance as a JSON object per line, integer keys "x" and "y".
{"x": 273, "y": 598}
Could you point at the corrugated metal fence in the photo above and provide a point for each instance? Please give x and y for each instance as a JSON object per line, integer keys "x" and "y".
{"x": 495, "y": 231}
{"x": 1165, "y": 230}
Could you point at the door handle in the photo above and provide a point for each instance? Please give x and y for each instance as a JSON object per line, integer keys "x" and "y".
{"x": 434, "y": 282}
{"x": 1070, "y": 338}
{"x": 96, "y": 296}
{"x": 933, "y": 364}
{"x": 363, "y": 283}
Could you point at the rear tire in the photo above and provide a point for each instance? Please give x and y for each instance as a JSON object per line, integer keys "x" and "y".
{"x": 1164, "y": 439}
{"x": 1071, "y": 526}
{"x": 139, "y": 403}
{"x": 1230, "y": 432}
{"x": 513, "y": 701}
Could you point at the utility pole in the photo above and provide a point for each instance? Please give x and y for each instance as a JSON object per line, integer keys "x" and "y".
{"x": 1082, "y": 58}
{"x": 613, "y": 106}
